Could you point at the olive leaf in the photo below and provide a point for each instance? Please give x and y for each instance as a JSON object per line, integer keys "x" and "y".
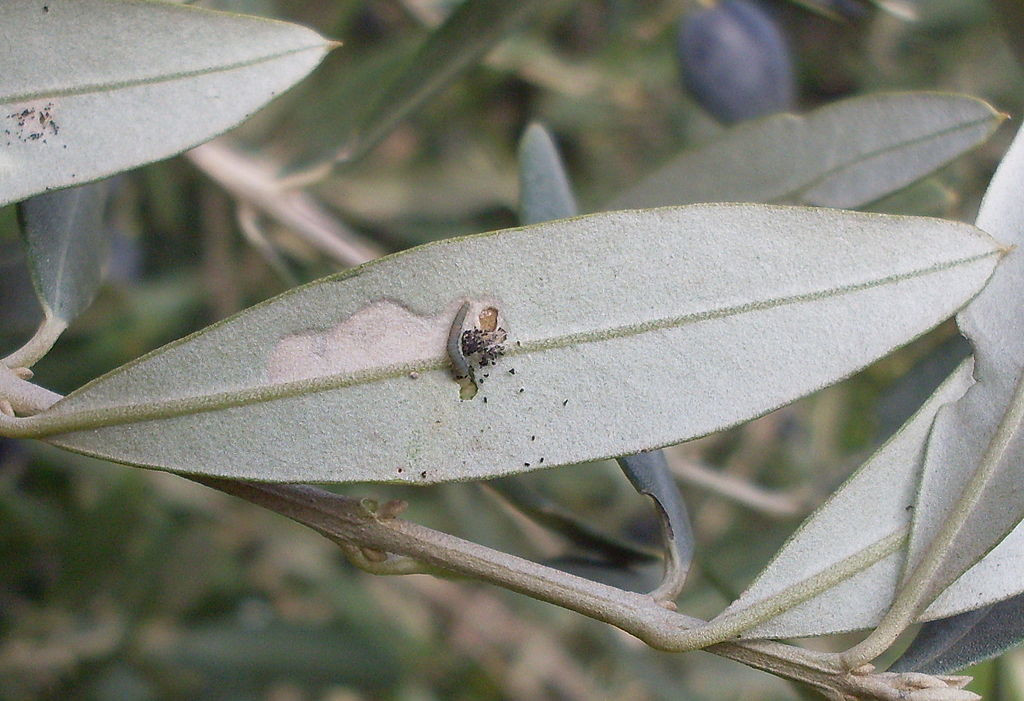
{"x": 472, "y": 29}
{"x": 650, "y": 475}
{"x": 846, "y": 154}
{"x": 714, "y": 313}
{"x": 840, "y": 570}
{"x": 963, "y": 442}
{"x": 92, "y": 87}
{"x": 950, "y": 644}
{"x": 67, "y": 241}
{"x": 544, "y": 189}
{"x": 969, "y": 497}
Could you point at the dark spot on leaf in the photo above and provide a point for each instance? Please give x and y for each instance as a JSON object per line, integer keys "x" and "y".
{"x": 33, "y": 123}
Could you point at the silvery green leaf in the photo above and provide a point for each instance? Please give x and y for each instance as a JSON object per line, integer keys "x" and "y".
{"x": 713, "y": 313}
{"x": 846, "y": 154}
{"x": 840, "y": 569}
{"x": 975, "y": 459}
{"x": 472, "y": 29}
{"x": 993, "y": 579}
{"x": 950, "y": 644}
{"x": 67, "y": 239}
{"x": 93, "y": 87}
{"x": 961, "y": 435}
{"x": 544, "y": 189}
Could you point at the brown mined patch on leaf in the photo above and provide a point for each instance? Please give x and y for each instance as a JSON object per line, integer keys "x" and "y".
{"x": 488, "y": 318}
{"x": 382, "y": 333}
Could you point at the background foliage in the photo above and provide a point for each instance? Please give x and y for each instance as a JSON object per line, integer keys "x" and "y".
{"x": 121, "y": 583}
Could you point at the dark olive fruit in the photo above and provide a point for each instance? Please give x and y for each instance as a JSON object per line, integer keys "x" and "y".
{"x": 735, "y": 62}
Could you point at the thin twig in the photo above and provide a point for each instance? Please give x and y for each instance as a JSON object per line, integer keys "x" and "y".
{"x": 249, "y": 224}
{"x": 254, "y": 181}
{"x": 347, "y": 520}
{"x": 741, "y": 491}
{"x": 24, "y": 397}
{"x": 39, "y": 345}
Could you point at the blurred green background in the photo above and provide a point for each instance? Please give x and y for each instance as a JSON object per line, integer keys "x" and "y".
{"x": 118, "y": 583}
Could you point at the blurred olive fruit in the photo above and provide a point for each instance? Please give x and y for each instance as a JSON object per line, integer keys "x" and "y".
{"x": 735, "y": 62}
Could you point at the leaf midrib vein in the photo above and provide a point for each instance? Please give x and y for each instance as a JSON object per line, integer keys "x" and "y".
{"x": 797, "y": 192}
{"x": 152, "y": 80}
{"x": 53, "y": 424}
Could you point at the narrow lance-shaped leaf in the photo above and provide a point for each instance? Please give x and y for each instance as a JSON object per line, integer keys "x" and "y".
{"x": 93, "y": 87}
{"x": 839, "y": 571}
{"x": 973, "y": 466}
{"x": 67, "y": 240}
{"x": 844, "y": 518}
{"x": 472, "y": 29}
{"x": 991, "y": 326}
{"x": 713, "y": 313}
{"x": 544, "y": 189}
{"x": 545, "y": 193}
{"x": 846, "y": 154}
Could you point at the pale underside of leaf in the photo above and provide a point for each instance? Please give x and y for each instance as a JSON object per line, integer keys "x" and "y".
{"x": 961, "y": 433}
{"x": 715, "y": 313}
{"x": 873, "y": 507}
{"x": 67, "y": 243}
{"x": 93, "y": 87}
{"x": 966, "y": 438}
{"x": 846, "y": 154}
